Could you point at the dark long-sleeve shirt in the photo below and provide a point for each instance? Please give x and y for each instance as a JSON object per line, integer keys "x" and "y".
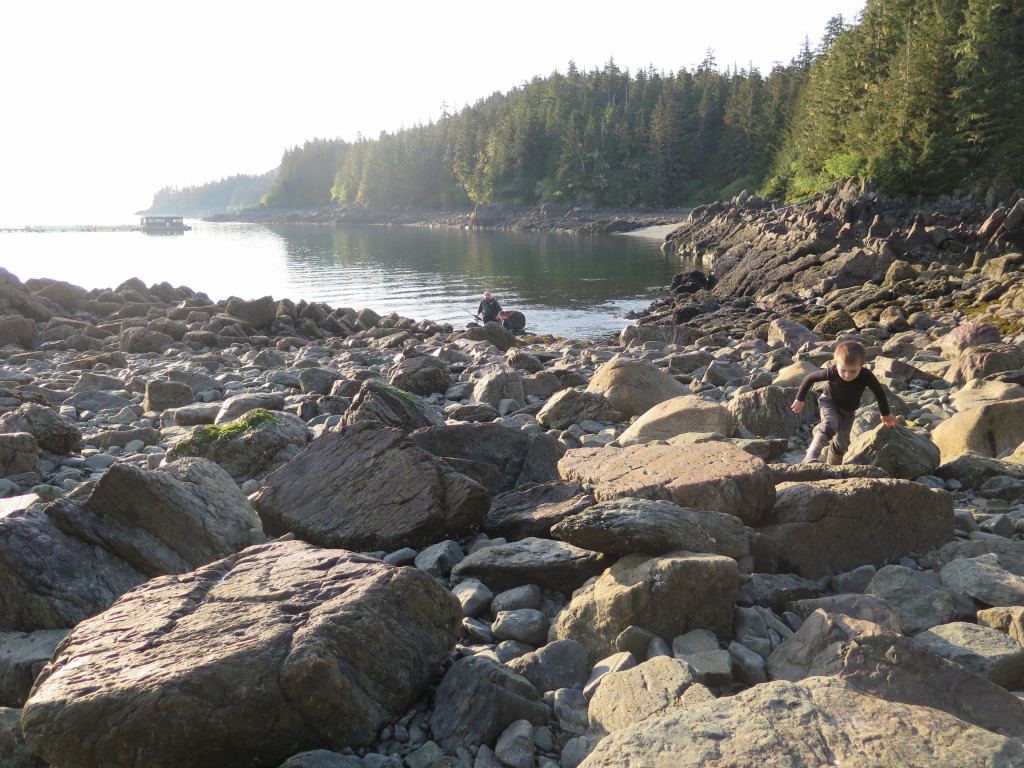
{"x": 488, "y": 309}
{"x": 845, "y": 394}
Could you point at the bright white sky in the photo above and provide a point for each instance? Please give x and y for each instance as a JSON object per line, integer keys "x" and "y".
{"x": 105, "y": 102}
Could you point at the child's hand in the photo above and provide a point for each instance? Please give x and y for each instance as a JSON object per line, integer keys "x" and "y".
{"x": 889, "y": 420}
{"x": 797, "y": 406}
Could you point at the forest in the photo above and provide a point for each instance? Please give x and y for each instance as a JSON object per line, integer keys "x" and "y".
{"x": 233, "y": 193}
{"x": 924, "y": 96}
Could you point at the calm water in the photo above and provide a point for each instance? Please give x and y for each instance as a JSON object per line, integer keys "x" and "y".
{"x": 565, "y": 285}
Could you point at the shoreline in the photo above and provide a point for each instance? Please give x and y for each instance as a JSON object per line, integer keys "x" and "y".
{"x": 547, "y": 218}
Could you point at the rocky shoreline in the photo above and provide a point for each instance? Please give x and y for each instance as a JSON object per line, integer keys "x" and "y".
{"x": 547, "y": 218}
{"x": 267, "y": 533}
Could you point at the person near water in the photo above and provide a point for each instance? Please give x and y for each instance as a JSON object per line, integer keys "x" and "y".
{"x": 845, "y": 381}
{"x": 488, "y": 309}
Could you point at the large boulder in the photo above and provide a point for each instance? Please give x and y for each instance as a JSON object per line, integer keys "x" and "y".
{"x": 571, "y": 406}
{"x": 900, "y": 670}
{"x": 478, "y": 698}
{"x": 531, "y": 510}
{"x": 53, "y": 432}
{"x": 984, "y": 650}
{"x": 498, "y": 382}
{"x": 18, "y": 453}
{"x": 812, "y": 723}
{"x": 550, "y": 564}
{"x": 687, "y": 413}
{"x": 420, "y": 375}
{"x": 899, "y": 450}
{"x": 790, "y": 334}
{"x": 377, "y": 401}
{"x": 239, "y": 405}
{"x": 714, "y": 476}
{"x": 259, "y": 313}
{"x": 161, "y": 395}
{"x": 668, "y": 595}
{"x": 916, "y": 597}
{"x": 633, "y": 695}
{"x": 968, "y": 335}
{"x": 627, "y": 526}
{"x": 518, "y": 457}
{"x": 368, "y": 487}
{"x": 976, "y": 393}
{"x": 49, "y": 580}
{"x": 18, "y": 331}
{"x": 142, "y": 339}
{"x": 766, "y": 412}
{"x": 634, "y": 386}
{"x": 821, "y": 528}
{"x": 243, "y": 663}
{"x": 984, "y": 360}
{"x": 170, "y": 520}
{"x": 492, "y": 333}
{"x": 247, "y": 447}
{"x": 989, "y": 430}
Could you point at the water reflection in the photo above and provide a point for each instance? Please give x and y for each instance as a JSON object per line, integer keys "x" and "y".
{"x": 566, "y": 285}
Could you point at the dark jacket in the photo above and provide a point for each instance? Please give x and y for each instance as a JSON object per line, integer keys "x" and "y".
{"x": 488, "y": 309}
{"x": 845, "y": 394}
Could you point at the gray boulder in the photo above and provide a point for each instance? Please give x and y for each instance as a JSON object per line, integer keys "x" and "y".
{"x": 899, "y": 450}
{"x": 687, "y": 413}
{"x": 239, "y": 405}
{"x": 161, "y": 395}
{"x": 713, "y": 476}
{"x": 561, "y": 664}
{"x": 170, "y": 520}
{"x": 983, "y": 650}
{"x": 377, "y": 401}
{"x": 649, "y": 689}
{"x": 633, "y": 386}
{"x": 251, "y": 445}
{"x": 817, "y": 529}
{"x": 498, "y": 382}
{"x": 258, "y": 656}
{"x": 766, "y": 412}
{"x": 668, "y": 595}
{"x": 142, "y": 339}
{"x": 478, "y": 699}
{"x": 625, "y": 526}
{"x": 571, "y": 406}
{"x": 919, "y": 599}
{"x": 49, "y": 580}
{"x": 530, "y": 510}
{"x": 518, "y": 457}
{"x": 18, "y": 454}
{"x": 18, "y": 331}
{"x": 985, "y": 579}
{"x": 492, "y": 333}
{"x": 420, "y": 375}
{"x": 550, "y": 564}
{"x": 812, "y": 723}
{"x": 368, "y": 487}
{"x": 53, "y": 432}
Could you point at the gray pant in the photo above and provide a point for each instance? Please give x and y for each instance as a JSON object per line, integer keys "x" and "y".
{"x": 836, "y": 425}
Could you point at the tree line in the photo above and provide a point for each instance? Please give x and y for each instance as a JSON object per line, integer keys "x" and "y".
{"x": 925, "y": 96}
{"x": 232, "y": 193}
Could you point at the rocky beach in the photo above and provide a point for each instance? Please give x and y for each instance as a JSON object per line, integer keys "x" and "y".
{"x": 288, "y": 535}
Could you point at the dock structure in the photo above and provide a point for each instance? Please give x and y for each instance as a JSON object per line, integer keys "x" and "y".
{"x": 76, "y": 228}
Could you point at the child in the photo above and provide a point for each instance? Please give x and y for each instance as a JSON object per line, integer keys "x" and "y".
{"x": 847, "y": 379}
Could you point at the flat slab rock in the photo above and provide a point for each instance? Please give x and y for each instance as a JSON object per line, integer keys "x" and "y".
{"x": 245, "y": 662}
{"x": 368, "y": 487}
{"x": 625, "y": 526}
{"x": 816, "y": 722}
{"x": 549, "y": 564}
{"x": 532, "y": 509}
{"x": 714, "y": 476}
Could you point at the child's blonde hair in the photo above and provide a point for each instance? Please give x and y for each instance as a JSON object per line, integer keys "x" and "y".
{"x": 851, "y": 353}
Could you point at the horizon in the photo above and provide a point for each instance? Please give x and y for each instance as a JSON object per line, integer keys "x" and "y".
{"x": 117, "y": 103}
